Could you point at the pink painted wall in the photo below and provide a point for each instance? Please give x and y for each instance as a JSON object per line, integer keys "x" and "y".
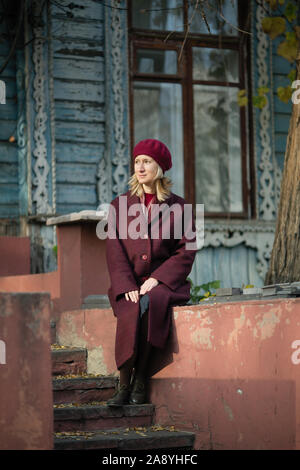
{"x": 81, "y": 271}
{"x": 14, "y": 256}
{"x": 236, "y": 379}
{"x": 26, "y": 404}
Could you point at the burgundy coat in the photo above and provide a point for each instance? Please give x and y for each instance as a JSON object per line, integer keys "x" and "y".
{"x": 129, "y": 260}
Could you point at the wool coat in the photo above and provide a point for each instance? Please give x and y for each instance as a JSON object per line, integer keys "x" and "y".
{"x": 130, "y": 261}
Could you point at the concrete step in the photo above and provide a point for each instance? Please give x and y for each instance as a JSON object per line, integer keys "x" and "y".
{"x": 136, "y": 438}
{"x": 95, "y": 416}
{"x": 83, "y": 389}
{"x": 67, "y": 360}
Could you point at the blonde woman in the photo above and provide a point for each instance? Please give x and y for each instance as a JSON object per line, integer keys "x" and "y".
{"x": 148, "y": 273}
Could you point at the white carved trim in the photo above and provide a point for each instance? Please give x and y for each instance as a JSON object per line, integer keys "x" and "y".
{"x": 52, "y": 110}
{"x": 257, "y": 235}
{"x": 41, "y": 167}
{"x": 120, "y": 175}
{"x": 267, "y": 209}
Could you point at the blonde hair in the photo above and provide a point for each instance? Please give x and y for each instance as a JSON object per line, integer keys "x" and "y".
{"x": 162, "y": 185}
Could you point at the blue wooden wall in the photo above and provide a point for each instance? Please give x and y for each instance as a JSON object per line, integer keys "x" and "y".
{"x": 9, "y": 191}
{"x": 78, "y": 71}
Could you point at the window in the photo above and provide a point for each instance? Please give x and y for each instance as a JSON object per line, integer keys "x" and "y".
{"x": 184, "y": 91}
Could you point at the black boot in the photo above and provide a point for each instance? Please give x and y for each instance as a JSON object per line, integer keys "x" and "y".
{"x": 138, "y": 394}
{"x": 121, "y": 397}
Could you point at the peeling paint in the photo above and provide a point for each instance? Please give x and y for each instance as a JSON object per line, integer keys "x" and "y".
{"x": 202, "y": 336}
{"x": 268, "y": 324}
{"x": 228, "y": 410}
{"x": 95, "y": 361}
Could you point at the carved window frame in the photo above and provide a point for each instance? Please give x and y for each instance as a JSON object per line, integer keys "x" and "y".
{"x": 156, "y": 39}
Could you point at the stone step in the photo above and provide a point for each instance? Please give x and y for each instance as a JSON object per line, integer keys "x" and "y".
{"x": 67, "y": 360}
{"x": 136, "y": 438}
{"x": 83, "y": 389}
{"x": 95, "y": 416}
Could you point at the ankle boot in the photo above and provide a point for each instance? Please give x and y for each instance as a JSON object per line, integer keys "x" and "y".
{"x": 138, "y": 394}
{"x": 121, "y": 396}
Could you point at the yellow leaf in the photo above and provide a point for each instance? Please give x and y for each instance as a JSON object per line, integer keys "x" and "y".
{"x": 288, "y": 50}
{"x": 284, "y": 93}
{"x": 273, "y": 26}
{"x": 242, "y": 99}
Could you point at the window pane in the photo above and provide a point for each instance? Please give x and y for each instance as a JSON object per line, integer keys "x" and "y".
{"x": 158, "y": 115}
{"x": 217, "y": 149}
{"x": 224, "y": 21}
{"x": 156, "y": 61}
{"x": 165, "y": 15}
{"x": 215, "y": 64}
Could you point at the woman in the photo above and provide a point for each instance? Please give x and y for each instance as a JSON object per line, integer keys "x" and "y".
{"x": 148, "y": 273}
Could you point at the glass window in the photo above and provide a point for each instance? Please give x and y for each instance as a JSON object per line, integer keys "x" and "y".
{"x": 165, "y": 15}
{"x": 156, "y": 61}
{"x": 191, "y": 103}
{"x": 221, "y": 17}
{"x": 215, "y": 64}
{"x": 158, "y": 115}
{"x": 217, "y": 149}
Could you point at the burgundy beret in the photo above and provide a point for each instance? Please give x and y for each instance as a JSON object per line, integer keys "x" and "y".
{"x": 155, "y": 149}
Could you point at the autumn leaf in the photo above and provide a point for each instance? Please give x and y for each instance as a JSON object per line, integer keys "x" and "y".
{"x": 273, "y": 3}
{"x": 242, "y": 99}
{"x": 291, "y": 11}
{"x": 273, "y": 26}
{"x": 259, "y": 101}
{"x": 285, "y": 93}
{"x": 12, "y": 139}
{"x": 288, "y": 47}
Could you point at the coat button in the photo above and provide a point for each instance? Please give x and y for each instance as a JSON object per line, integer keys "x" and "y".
{"x": 144, "y": 257}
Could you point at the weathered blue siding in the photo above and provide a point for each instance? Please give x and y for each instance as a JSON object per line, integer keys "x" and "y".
{"x": 78, "y": 72}
{"x": 9, "y": 191}
{"x": 282, "y": 111}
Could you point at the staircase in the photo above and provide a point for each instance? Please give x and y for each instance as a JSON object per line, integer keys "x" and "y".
{"x": 82, "y": 420}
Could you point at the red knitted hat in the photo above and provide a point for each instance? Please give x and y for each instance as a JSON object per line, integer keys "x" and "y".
{"x": 155, "y": 149}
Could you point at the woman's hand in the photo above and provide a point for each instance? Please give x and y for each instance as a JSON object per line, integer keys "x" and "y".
{"x": 148, "y": 285}
{"x": 132, "y": 295}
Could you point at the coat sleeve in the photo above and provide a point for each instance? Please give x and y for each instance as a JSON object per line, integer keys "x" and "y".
{"x": 119, "y": 268}
{"x": 174, "y": 271}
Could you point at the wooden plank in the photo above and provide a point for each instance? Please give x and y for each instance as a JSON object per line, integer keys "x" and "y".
{"x": 79, "y": 152}
{"x": 11, "y": 88}
{"x": 280, "y": 141}
{"x": 79, "y": 132}
{"x": 79, "y": 111}
{"x": 10, "y": 69}
{"x": 8, "y": 152}
{"x": 71, "y": 68}
{"x": 86, "y": 9}
{"x": 69, "y": 208}
{"x": 281, "y": 107}
{"x": 8, "y": 173}
{"x": 75, "y": 48}
{"x": 7, "y": 128}
{"x": 79, "y": 173}
{"x": 9, "y": 211}
{"x": 78, "y": 90}
{"x": 77, "y": 29}
{"x": 282, "y": 122}
{"x": 8, "y": 111}
{"x": 9, "y": 194}
{"x": 76, "y": 194}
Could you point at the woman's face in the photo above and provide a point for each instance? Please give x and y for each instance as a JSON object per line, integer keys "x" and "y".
{"x": 145, "y": 169}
